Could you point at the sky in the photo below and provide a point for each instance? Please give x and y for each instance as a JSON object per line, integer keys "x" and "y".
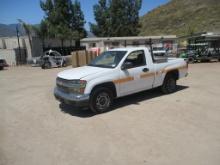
{"x": 30, "y": 12}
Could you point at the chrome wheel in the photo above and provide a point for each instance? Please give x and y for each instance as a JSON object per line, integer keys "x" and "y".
{"x": 100, "y": 100}
{"x": 103, "y": 101}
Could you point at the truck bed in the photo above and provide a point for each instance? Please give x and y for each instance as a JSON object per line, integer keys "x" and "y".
{"x": 159, "y": 60}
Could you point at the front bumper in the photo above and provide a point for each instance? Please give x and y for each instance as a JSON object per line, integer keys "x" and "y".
{"x": 78, "y": 100}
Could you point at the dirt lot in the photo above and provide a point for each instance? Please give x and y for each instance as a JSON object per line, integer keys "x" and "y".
{"x": 146, "y": 128}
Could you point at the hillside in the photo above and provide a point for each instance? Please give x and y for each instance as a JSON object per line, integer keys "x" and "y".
{"x": 182, "y": 17}
{"x": 10, "y": 30}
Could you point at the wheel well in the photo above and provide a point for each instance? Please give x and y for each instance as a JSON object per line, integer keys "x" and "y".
{"x": 175, "y": 73}
{"x": 109, "y": 85}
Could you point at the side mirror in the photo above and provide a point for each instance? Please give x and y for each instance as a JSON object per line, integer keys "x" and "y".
{"x": 126, "y": 65}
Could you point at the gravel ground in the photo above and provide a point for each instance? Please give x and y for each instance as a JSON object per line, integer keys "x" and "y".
{"x": 145, "y": 128}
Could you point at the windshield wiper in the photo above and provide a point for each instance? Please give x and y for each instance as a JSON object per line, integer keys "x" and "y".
{"x": 101, "y": 66}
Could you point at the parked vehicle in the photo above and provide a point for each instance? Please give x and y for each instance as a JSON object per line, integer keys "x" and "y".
{"x": 116, "y": 73}
{"x": 52, "y": 59}
{"x": 200, "y": 53}
{"x": 159, "y": 51}
{"x": 190, "y": 56}
{"x": 36, "y": 61}
{"x": 3, "y": 64}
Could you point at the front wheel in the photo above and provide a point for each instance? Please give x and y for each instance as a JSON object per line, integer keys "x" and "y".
{"x": 169, "y": 84}
{"x": 46, "y": 65}
{"x": 101, "y": 100}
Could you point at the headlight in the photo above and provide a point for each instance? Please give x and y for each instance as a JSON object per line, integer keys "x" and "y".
{"x": 82, "y": 86}
{"x": 74, "y": 86}
{"x": 78, "y": 86}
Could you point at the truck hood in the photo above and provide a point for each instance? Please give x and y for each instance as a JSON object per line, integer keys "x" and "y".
{"x": 81, "y": 72}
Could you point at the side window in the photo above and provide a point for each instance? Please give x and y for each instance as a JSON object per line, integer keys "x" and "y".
{"x": 92, "y": 45}
{"x": 137, "y": 58}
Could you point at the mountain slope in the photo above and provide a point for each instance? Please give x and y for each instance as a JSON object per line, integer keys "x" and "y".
{"x": 10, "y": 30}
{"x": 182, "y": 17}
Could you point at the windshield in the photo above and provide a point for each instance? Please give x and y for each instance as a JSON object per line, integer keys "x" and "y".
{"x": 109, "y": 59}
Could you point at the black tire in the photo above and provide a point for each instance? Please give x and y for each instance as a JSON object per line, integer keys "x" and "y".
{"x": 191, "y": 60}
{"x": 64, "y": 64}
{"x": 169, "y": 84}
{"x": 101, "y": 100}
{"x": 1, "y": 67}
{"x": 46, "y": 65}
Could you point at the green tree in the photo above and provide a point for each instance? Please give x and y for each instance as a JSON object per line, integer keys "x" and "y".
{"x": 58, "y": 18}
{"x": 65, "y": 20}
{"x": 102, "y": 17}
{"x": 132, "y": 12}
{"x": 119, "y": 19}
{"x": 48, "y": 8}
{"x": 116, "y": 18}
{"x": 42, "y": 31}
{"x": 61, "y": 23}
{"x": 77, "y": 20}
{"x": 77, "y": 23}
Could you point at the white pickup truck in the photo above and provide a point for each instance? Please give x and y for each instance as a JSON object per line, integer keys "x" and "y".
{"x": 116, "y": 73}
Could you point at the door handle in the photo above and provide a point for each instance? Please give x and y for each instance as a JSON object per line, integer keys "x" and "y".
{"x": 145, "y": 70}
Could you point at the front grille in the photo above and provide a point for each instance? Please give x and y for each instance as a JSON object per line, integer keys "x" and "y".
{"x": 63, "y": 80}
{"x": 67, "y": 86}
{"x": 63, "y": 88}
{"x": 61, "y": 84}
{"x": 68, "y": 83}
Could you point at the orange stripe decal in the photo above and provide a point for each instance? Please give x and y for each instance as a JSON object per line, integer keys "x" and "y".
{"x": 146, "y": 75}
{"x": 123, "y": 80}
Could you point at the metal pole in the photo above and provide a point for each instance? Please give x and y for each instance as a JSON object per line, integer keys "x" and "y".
{"x": 162, "y": 41}
{"x": 151, "y": 49}
{"x": 125, "y": 43}
{"x": 19, "y": 47}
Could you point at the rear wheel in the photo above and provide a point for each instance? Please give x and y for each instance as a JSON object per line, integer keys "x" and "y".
{"x": 1, "y": 67}
{"x": 101, "y": 100}
{"x": 169, "y": 84}
{"x": 191, "y": 60}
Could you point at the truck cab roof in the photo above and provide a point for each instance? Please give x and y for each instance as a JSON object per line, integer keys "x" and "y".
{"x": 129, "y": 49}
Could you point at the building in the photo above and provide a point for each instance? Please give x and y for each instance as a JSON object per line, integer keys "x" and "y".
{"x": 105, "y": 43}
{"x": 21, "y": 51}
{"x": 210, "y": 39}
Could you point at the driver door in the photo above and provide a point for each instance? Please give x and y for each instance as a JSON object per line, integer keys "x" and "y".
{"x": 131, "y": 78}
